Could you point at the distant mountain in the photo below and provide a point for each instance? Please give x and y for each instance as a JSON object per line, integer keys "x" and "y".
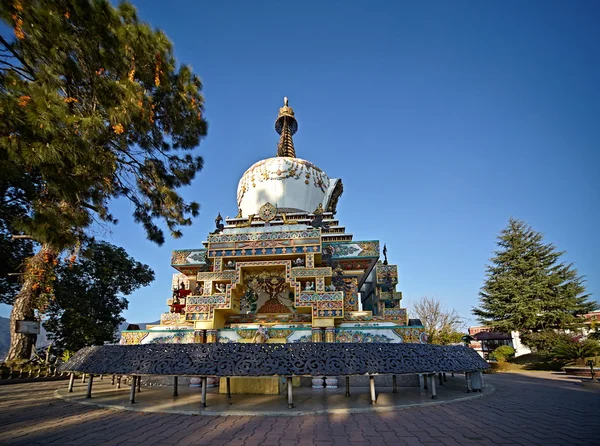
{"x": 42, "y": 339}
{"x": 4, "y": 336}
{"x": 142, "y": 325}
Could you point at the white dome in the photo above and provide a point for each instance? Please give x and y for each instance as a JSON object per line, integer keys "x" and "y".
{"x": 287, "y": 183}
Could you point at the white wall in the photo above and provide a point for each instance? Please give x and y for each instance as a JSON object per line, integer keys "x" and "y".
{"x": 520, "y": 349}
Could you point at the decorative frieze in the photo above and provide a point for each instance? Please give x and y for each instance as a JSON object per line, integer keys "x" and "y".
{"x": 309, "y": 297}
{"x": 171, "y": 319}
{"x": 132, "y": 337}
{"x": 353, "y": 249}
{"x": 206, "y": 300}
{"x": 261, "y": 236}
{"x": 210, "y": 276}
{"x": 264, "y": 251}
{"x": 386, "y": 274}
{"x": 274, "y": 333}
{"x": 311, "y": 272}
{"x": 411, "y": 335}
{"x": 396, "y": 314}
{"x": 188, "y": 257}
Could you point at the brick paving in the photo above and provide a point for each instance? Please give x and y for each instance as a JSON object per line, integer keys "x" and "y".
{"x": 526, "y": 409}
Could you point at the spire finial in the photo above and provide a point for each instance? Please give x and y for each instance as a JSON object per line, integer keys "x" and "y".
{"x": 286, "y": 125}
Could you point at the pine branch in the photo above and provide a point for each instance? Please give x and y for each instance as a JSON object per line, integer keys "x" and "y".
{"x": 8, "y": 46}
{"x": 19, "y": 70}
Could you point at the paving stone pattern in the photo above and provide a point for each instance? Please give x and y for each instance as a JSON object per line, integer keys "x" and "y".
{"x": 526, "y": 409}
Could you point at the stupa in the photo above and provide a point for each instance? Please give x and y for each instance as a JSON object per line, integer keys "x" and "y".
{"x": 283, "y": 269}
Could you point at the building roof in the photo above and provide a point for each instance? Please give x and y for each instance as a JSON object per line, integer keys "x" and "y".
{"x": 491, "y": 336}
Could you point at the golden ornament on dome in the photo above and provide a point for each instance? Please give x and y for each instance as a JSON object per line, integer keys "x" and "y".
{"x": 267, "y": 212}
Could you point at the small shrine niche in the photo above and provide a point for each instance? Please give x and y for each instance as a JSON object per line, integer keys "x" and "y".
{"x": 219, "y": 288}
{"x": 198, "y": 288}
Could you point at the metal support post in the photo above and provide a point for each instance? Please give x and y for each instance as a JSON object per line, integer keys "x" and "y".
{"x": 432, "y": 384}
{"x": 89, "y": 389}
{"x": 83, "y": 379}
{"x": 347, "y": 386}
{"x": 175, "y": 386}
{"x": 372, "y": 386}
{"x": 139, "y": 384}
{"x": 204, "y": 385}
{"x": 444, "y": 376}
{"x": 394, "y": 384}
{"x": 425, "y": 379}
{"x": 441, "y": 379}
{"x": 71, "y": 381}
{"x": 119, "y": 382}
{"x": 290, "y": 392}
{"x": 228, "y": 386}
{"x": 132, "y": 391}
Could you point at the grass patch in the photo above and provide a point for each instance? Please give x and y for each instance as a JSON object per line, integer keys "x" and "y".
{"x": 534, "y": 361}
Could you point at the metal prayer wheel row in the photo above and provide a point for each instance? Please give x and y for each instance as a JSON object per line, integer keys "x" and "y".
{"x": 323, "y": 334}
{"x": 318, "y": 335}
{"x": 205, "y": 336}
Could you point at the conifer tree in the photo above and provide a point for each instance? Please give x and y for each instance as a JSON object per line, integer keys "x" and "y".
{"x": 528, "y": 288}
{"x": 93, "y": 107}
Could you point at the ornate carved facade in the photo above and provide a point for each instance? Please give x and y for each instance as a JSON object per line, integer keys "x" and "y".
{"x": 283, "y": 264}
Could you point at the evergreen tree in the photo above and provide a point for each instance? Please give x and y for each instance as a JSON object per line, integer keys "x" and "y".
{"x": 13, "y": 252}
{"x": 94, "y": 107}
{"x": 87, "y": 305}
{"x": 528, "y": 288}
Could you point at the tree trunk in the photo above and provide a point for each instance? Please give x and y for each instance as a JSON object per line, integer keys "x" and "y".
{"x": 23, "y": 308}
{"x": 21, "y": 344}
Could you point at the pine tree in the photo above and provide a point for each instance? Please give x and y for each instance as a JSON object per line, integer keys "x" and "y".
{"x": 528, "y": 288}
{"x": 94, "y": 108}
{"x": 13, "y": 252}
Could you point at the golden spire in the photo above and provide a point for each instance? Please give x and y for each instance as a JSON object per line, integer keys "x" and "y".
{"x": 286, "y": 125}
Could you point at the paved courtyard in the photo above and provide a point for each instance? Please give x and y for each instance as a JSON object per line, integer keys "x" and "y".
{"x": 526, "y": 409}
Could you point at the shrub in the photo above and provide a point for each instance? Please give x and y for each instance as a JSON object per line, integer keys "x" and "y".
{"x": 575, "y": 350}
{"x": 502, "y": 353}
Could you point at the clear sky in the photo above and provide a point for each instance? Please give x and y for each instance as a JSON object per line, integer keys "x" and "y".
{"x": 442, "y": 118}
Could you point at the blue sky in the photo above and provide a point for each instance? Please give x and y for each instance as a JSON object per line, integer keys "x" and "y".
{"x": 442, "y": 118}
